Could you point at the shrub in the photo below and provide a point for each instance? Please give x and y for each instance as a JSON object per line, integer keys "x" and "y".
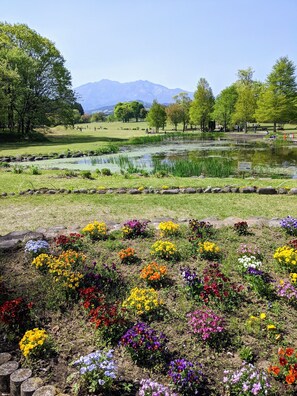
{"x": 15, "y": 314}
{"x": 200, "y": 230}
{"x": 249, "y": 250}
{"x": 34, "y": 343}
{"x": 97, "y": 370}
{"x": 127, "y": 256}
{"x": 95, "y": 231}
{"x": 152, "y": 388}
{"x": 209, "y": 250}
{"x": 289, "y": 224}
{"x": 286, "y": 368}
{"x": 241, "y": 228}
{"x": 186, "y": 377}
{"x": 250, "y": 262}
{"x": 286, "y": 256}
{"x": 194, "y": 284}
{"x": 168, "y": 228}
{"x": 135, "y": 228}
{"x": 35, "y": 170}
{"x": 72, "y": 241}
{"x": 206, "y": 323}
{"x": 146, "y": 346}
{"x": 143, "y": 301}
{"x": 286, "y": 290}
{"x": 247, "y": 381}
{"x": 165, "y": 250}
{"x": 153, "y": 273}
{"x": 34, "y": 248}
{"x": 106, "y": 172}
{"x": 85, "y": 174}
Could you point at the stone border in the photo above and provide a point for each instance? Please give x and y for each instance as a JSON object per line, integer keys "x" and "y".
{"x": 169, "y": 191}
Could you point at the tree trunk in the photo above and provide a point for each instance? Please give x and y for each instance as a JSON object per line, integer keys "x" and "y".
{"x": 30, "y": 386}
{"x": 6, "y": 370}
{"x": 16, "y": 380}
{"x": 274, "y": 127}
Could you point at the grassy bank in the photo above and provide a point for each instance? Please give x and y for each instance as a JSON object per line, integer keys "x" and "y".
{"x": 32, "y": 212}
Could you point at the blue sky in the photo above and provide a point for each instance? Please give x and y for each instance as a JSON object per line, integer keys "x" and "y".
{"x": 169, "y": 42}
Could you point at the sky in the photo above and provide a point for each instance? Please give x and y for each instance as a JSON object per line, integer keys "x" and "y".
{"x": 169, "y": 42}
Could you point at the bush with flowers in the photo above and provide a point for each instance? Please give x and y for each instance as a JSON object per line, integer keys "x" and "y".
{"x": 289, "y": 224}
{"x": 73, "y": 241}
{"x": 41, "y": 262}
{"x": 259, "y": 281}
{"x": 194, "y": 285}
{"x": 168, "y": 228}
{"x": 153, "y": 388}
{"x": 34, "y": 343}
{"x": 261, "y": 325}
{"x": 247, "y": 381}
{"x": 293, "y": 277}
{"x": 209, "y": 250}
{"x": 287, "y": 291}
{"x": 135, "y": 229}
{"x": 164, "y": 250}
{"x": 286, "y": 256}
{"x": 187, "y": 377}
{"x": 145, "y": 345}
{"x": 249, "y": 262}
{"x": 34, "y": 248}
{"x": 97, "y": 370}
{"x": 95, "y": 230}
{"x": 153, "y": 273}
{"x": 200, "y": 230}
{"x": 286, "y": 368}
{"x": 128, "y": 256}
{"x": 250, "y": 250}
{"x": 15, "y": 314}
{"x": 205, "y": 323}
{"x": 143, "y": 301}
{"x": 241, "y": 228}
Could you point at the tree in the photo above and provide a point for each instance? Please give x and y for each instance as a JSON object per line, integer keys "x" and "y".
{"x": 184, "y": 101}
{"x": 225, "y": 105}
{"x": 156, "y": 116}
{"x": 136, "y": 108}
{"x": 35, "y": 84}
{"x": 174, "y": 113}
{"x": 277, "y": 102}
{"x": 202, "y": 106}
{"x": 123, "y": 111}
{"x": 247, "y": 90}
{"x": 99, "y": 116}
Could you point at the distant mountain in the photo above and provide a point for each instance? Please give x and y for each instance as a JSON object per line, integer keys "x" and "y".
{"x": 105, "y": 94}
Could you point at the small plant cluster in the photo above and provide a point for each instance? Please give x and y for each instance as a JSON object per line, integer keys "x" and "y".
{"x": 108, "y": 317}
{"x": 186, "y": 377}
{"x": 97, "y": 370}
{"x": 250, "y": 262}
{"x": 143, "y": 301}
{"x": 286, "y": 290}
{"x": 193, "y": 283}
{"x": 241, "y": 228}
{"x": 206, "y": 323}
{"x": 262, "y": 325}
{"x": 200, "y": 230}
{"x": 73, "y": 241}
{"x": 287, "y": 257}
{"x": 33, "y": 343}
{"x": 34, "y": 248}
{"x": 127, "y": 256}
{"x": 209, "y": 250}
{"x": 153, "y": 388}
{"x": 249, "y": 250}
{"x": 168, "y": 228}
{"x": 164, "y": 250}
{"x": 153, "y": 273}
{"x": 15, "y": 313}
{"x": 95, "y": 231}
{"x": 135, "y": 229}
{"x": 286, "y": 368}
{"x": 145, "y": 345}
{"x": 247, "y": 381}
{"x": 259, "y": 281}
{"x": 289, "y": 224}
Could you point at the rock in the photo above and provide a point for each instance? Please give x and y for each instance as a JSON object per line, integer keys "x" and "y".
{"x": 247, "y": 190}
{"x": 101, "y": 191}
{"x": 76, "y": 191}
{"x": 226, "y": 189}
{"x": 47, "y": 390}
{"x": 9, "y": 245}
{"x": 33, "y": 235}
{"x": 207, "y": 190}
{"x": 293, "y": 191}
{"x": 83, "y": 191}
{"x": 235, "y": 189}
{"x": 267, "y": 190}
{"x": 134, "y": 191}
{"x": 282, "y": 190}
{"x": 190, "y": 190}
{"x": 216, "y": 190}
{"x": 4, "y": 194}
{"x": 170, "y": 191}
{"x": 121, "y": 191}
{"x": 51, "y": 192}
{"x": 93, "y": 191}
{"x": 274, "y": 222}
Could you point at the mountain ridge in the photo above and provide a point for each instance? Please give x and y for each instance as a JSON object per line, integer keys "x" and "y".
{"x": 96, "y": 95}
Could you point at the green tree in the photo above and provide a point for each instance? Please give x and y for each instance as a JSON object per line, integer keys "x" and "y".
{"x": 202, "y": 105}
{"x": 174, "y": 113}
{"x": 184, "y": 101}
{"x": 248, "y": 91}
{"x": 225, "y": 105}
{"x": 156, "y": 117}
{"x": 99, "y": 116}
{"x": 277, "y": 102}
{"x": 35, "y": 84}
{"x": 136, "y": 108}
{"x": 123, "y": 111}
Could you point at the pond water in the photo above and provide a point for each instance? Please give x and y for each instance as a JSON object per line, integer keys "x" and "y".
{"x": 144, "y": 157}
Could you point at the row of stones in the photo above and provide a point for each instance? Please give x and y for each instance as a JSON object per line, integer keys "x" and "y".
{"x": 26, "y": 158}
{"x": 15, "y": 381}
{"x": 169, "y": 191}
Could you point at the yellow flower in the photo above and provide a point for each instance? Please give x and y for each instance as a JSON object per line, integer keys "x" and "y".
{"x": 262, "y": 315}
{"x": 271, "y": 327}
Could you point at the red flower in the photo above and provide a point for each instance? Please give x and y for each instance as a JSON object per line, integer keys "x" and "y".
{"x": 283, "y": 361}
{"x": 289, "y": 351}
{"x": 274, "y": 370}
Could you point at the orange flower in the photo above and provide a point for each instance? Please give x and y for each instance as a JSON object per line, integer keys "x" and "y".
{"x": 274, "y": 370}
{"x": 290, "y": 379}
{"x": 281, "y": 352}
{"x": 289, "y": 351}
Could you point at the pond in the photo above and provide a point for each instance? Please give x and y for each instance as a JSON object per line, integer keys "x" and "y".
{"x": 191, "y": 156}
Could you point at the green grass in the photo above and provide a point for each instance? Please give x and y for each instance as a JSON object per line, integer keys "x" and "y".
{"x": 31, "y": 212}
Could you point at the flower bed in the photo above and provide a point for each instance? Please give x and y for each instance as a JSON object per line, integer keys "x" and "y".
{"x": 181, "y": 325}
